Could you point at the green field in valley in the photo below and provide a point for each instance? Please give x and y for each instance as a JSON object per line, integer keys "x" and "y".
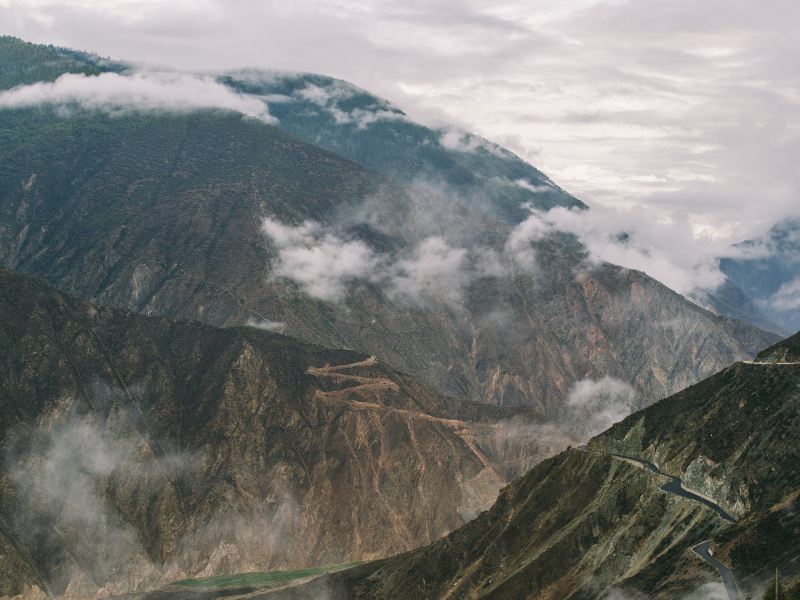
{"x": 262, "y": 579}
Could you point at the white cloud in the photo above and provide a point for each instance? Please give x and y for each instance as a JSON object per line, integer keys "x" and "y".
{"x": 140, "y": 91}
{"x": 680, "y": 256}
{"x": 536, "y": 189}
{"x": 787, "y": 297}
{"x": 328, "y": 97}
{"x": 462, "y": 141}
{"x": 520, "y": 241}
{"x": 321, "y": 262}
{"x": 265, "y": 324}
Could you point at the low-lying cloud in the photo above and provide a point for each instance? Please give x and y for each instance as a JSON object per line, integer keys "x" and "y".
{"x": 319, "y": 261}
{"x": 593, "y": 406}
{"x": 787, "y": 297}
{"x": 82, "y": 488}
{"x": 462, "y": 141}
{"x": 671, "y": 252}
{"x": 115, "y": 93}
{"x": 324, "y": 264}
{"x": 64, "y": 479}
{"x": 266, "y": 324}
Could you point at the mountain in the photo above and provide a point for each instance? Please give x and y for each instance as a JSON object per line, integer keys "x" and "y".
{"x": 773, "y": 280}
{"x": 349, "y": 121}
{"x": 164, "y": 212}
{"x": 137, "y": 450}
{"x": 594, "y": 522}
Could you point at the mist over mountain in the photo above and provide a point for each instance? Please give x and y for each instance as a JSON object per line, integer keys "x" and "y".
{"x": 438, "y": 267}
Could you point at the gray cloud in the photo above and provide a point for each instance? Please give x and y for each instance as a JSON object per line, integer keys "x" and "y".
{"x": 142, "y": 91}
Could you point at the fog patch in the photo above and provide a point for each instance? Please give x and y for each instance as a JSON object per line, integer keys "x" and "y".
{"x": 104, "y": 504}
{"x": 708, "y": 591}
{"x": 531, "y": 187}
{"x": 468, "y": 143}
{"x": 787, "y": 297}
{"x": 331, "y": 95}
{"x": 68, "y": 477}
{"x": 593, "y": 406}
{"x": 266, "y": 325}
{"x": 621, "y": 594}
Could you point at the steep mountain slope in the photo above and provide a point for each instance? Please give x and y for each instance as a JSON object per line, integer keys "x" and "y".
{"x": 773, "y": 281}
{"x": 163, "y": 213}
{"x": 138, "y": 450}
{"x": 584, "y": 523}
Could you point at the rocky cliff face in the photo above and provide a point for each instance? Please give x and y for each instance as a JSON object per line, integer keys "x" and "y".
{"x": 163, "y": 214}
{"x": 137, "y": 450}
{"x": 586, "y": 523}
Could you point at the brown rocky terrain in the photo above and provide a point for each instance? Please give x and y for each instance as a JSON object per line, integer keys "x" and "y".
{"x": 588, "y": 524}
{"x": 138, "y": 450}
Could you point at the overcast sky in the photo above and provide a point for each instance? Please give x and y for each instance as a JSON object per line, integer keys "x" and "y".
{"x": 687, "y": 108}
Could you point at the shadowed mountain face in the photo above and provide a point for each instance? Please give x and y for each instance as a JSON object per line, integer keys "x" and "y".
{"x": 137, "y": 450}
{"x": 162, "y": 213}
{"x": 585, "y": 523}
